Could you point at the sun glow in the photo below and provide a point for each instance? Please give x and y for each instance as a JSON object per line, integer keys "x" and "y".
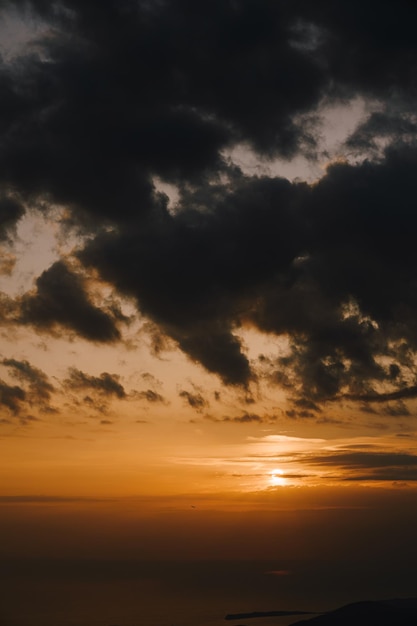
{"x": 277, "y": 478}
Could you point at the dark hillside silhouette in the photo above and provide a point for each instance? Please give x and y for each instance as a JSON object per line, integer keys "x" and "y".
{"x": 400, "y": 612}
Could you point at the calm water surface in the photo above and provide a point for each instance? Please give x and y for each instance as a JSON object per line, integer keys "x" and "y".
{"x": 110, "y": 593}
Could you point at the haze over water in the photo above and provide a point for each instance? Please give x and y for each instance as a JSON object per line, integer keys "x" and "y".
{"x": 191, "y": 594}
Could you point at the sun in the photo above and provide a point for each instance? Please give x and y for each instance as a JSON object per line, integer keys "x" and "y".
{"x": 277, "y": 478}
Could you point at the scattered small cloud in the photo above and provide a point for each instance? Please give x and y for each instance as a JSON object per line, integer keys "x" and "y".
{"x": 39, "y": 385}
{"x": 195, "y": 400}
{"x": 105, "y": 384}
{"x": 246, "y": 418}
{"x": 150, "y": 396}
{"x": 12, "y": 397}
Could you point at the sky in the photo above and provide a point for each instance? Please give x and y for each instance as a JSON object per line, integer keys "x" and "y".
{"x": 208, "y": 287}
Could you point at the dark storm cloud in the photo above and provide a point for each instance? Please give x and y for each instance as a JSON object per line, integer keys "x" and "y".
{"x": 60, "y": 298}
{"x": 203, "y": 267}
{"x": 123, "y": 91}
{"x": 106, "y": 384}
{"x": 282, "y": 256}
{"x": 10, "y": 212}
{"x": 379, "y": 126}
{"x": 367, "y": 47}
{"x": 119, "y": 93}
{"x": 351, "y": 300}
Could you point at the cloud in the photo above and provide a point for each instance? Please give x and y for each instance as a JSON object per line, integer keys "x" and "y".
{"x": 400, "y": 394}
{"x": 9, "y": 310}
{"x": 331, "y": 288}
{"x": 90, "y": 125}
{"x": 39, "y": 385}
{"x": 11, "y": 210}
{"x": 12, "y": 397}
{"x": 105, "y": 384}
{"x": 151, "y": 379}
{"x": 151, "y": 396}
{"x": 34, "y": 391}
{"x": 299, "y": 414}
{"x": 382, "y": 127}
{"x": 304, "y": 403}
{"x": 202, "y": 268}
{"x": 60, "y": 298}
{"x": 7, "y": 264}
{"x": 366, "y": 459}
{"x": 398, "y": 409}
{"x": 391, "y": 474}
{"x": 246, "y": 418}
{"x": 35, "y": 499}
{"x": 369, "y": 465}
{"x": 194, "y": 400}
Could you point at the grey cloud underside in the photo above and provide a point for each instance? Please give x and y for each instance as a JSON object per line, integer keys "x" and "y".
{"x": 370, "y": 465}
{"x": 367, "y": 459}
{"x": 125, "y": 91}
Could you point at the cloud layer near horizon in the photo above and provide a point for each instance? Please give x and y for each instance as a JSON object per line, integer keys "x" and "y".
{"x": 112, "y": 97}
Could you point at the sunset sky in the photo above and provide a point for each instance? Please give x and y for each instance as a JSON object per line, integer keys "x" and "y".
{"x": 208, "y": 281}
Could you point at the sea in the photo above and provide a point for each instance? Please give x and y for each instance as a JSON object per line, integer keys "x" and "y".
{"x": 65, "y": 592}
